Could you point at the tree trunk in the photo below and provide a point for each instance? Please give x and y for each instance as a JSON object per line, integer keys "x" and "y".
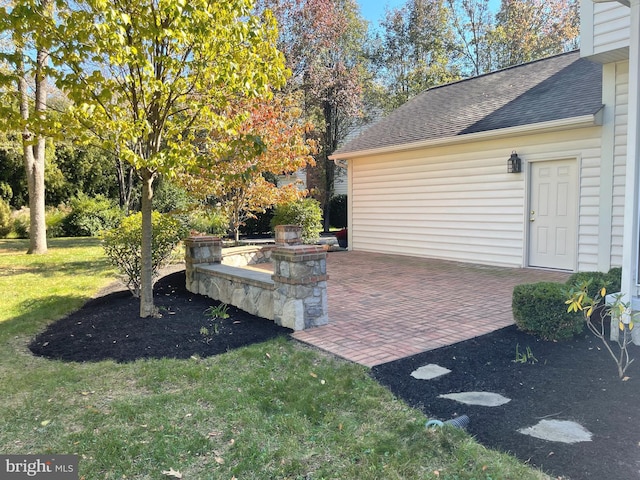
{"x": 330, "y": 144}
{"x": 34, "y": 163}
{"x": 330, "y": 173}
{"x": 124, "y": 174}
{"x": 147, "y": 308}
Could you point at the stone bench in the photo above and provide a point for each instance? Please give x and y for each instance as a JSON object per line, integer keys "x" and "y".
{"x": 246, "y": 289}
{"x": 295, "y": 296}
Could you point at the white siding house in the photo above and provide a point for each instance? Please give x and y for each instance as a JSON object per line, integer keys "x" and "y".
{"x": 431, "y": 178}
{"x": 610, "y": 33}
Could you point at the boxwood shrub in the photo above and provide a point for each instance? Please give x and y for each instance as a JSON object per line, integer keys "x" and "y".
{"x": 614, "y": 277}
{"x": 540, "y": 309}
{"x": 611, "y": 280}
{"x": 597, "y": 279}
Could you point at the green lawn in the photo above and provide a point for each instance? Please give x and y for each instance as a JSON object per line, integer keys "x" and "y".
{"x": 272, "y": 411}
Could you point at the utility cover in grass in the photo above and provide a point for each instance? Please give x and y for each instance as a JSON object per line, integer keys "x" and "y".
{"x": 484, "y": 399}
{"x": 429, "y": 372}
{"x": 558, "y": 431}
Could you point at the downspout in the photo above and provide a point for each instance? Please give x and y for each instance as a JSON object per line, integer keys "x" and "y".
{"x": 630, "y": 243}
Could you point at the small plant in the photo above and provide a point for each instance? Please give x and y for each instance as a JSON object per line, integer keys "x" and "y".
{"x": 219, "y": 311}
{"x": 524, "y": 357}
{"x": 620, "y": 313}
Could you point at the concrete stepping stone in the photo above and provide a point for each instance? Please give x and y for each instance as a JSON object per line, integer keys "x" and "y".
{"x": 429, "y": 372}
{"x": 484, "y": 399}
{"x": 563, "y": 431}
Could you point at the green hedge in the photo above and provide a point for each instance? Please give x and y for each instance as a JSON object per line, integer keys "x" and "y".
{"x": 540, "y": 309}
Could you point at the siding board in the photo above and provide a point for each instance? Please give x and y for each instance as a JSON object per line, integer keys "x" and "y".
{"x": 619, "y": 160}
{"x": 458, "y": 202}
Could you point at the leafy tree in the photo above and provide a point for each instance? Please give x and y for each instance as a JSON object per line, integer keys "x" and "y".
{"x": 13, "y": 176}
{"x": 472, "y": 22}
{"x": 85, "y": 169}
{"x": 323, "y": 42}
{"x": 414, "y": 51}
{"x": 246, "y": 179}
{"x": 23, "y": 21}
{"x": 147, "y": 77}
{"x": 527, "y": 30}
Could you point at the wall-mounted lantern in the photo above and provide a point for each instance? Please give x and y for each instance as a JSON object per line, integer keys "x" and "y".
{"x": 514, "y": 164}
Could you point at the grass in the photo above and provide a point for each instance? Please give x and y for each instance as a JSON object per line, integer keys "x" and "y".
{"x": 277, "y": 410}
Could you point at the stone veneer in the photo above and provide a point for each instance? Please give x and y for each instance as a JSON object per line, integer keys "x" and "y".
{"x": 295, "y": 296}
{"x": 248, "y": 255}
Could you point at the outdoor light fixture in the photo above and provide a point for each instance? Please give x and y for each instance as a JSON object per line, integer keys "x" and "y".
{"x": 514, "y": 164}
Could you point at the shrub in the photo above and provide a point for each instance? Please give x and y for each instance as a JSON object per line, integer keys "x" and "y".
{"x": 338, "y": 211}
{"x": 596, "y": 281}
{"x": 89, "y": 216}
{"x": 614, "y": 279}
{"x": 55, "y": 220}
{"x": 122, "y": 245}
{"x": 209, "y": 221}
{"x": 5, "y": 218}
{"x": 306, "y": 213}
{"x": 21, "y": 222}
{"x": 540, "y": 309}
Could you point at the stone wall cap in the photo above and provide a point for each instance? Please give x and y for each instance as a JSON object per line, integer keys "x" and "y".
{"x": 300, "y": 249}
{"x": 203, "y": 238}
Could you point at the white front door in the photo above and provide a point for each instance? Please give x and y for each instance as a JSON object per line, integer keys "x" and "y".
{"x": 553, "y": 215}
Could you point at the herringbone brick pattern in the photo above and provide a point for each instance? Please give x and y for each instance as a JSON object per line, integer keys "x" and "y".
{"x": 386, "y": 307}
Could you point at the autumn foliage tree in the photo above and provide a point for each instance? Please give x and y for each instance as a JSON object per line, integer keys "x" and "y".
{"x": 270, "y": 143}
{"x": 323, "y": 42}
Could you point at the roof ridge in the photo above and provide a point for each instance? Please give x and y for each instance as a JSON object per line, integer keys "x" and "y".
{"x": 467, "y": 79}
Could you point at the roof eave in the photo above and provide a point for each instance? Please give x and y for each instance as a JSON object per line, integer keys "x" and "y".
{"x": 542, "y": 127}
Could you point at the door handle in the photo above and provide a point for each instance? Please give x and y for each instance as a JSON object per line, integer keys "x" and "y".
{"x": 532, "y": 216}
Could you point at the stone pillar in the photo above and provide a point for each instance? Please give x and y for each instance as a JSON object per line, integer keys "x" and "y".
{"x": 288, "y": 235}
{"x": 200, "y": 250}
{"x": 300, "y": 277}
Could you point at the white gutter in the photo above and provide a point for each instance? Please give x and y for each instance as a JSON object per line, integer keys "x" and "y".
{"x": 624, "y": 2}
{"x": 542, "y": 127}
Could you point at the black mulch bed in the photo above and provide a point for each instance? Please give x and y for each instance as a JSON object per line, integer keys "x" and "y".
{"x": 573, "y": 380}
{"x": 110, "y": 328}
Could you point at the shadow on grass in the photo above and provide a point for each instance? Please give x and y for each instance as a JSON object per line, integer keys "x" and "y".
{"x": 38, "y": 312}
{"x": 17, "y": 245}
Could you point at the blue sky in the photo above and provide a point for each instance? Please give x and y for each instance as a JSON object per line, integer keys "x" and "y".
{"x": 373, "y": 10}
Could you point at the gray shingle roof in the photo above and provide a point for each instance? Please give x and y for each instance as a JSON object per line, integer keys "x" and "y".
{"x": 555, "y": 88}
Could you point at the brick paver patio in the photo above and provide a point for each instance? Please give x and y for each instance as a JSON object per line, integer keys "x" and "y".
{"x": 386, "y": 307}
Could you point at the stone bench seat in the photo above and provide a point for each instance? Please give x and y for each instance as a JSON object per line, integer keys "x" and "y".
{"x": 244, "y": 275}
{"x": 294, "y": 296}
{"x": 246, "y": 289}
